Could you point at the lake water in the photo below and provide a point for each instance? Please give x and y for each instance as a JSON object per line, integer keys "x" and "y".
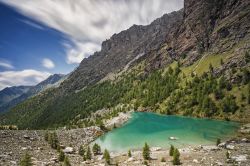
{"x": 156, "y": 129}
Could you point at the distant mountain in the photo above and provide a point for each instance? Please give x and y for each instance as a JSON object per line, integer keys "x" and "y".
{"x": 14, "y": 95}
{"x": 10, "y": 93}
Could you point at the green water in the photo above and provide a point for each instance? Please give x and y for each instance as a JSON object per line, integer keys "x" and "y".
{"x": 156, "y": 129}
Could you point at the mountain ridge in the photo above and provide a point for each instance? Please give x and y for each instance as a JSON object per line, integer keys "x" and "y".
{"x": 31, "y": 91}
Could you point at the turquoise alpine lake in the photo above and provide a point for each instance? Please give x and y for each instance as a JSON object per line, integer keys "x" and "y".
{"x": 162, "y": 131}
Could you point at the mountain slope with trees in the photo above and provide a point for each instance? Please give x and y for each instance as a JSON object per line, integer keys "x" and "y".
{"x": 191, "y": 62}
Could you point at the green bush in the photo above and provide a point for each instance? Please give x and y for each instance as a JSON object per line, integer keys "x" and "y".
{"x": 66, "y": 161}
{"x": 61, "y": 156}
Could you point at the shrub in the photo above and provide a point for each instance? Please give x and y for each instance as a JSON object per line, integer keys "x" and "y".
{"x": 129, "y": 154}
{"x": 61, "y": 156}
{"x": 218, "y": 141}
{"x": 163, "y": 159}
{"x": 26, "y": 160}
{"x": 227, "y": 155}
{"x": 66, "y": 161}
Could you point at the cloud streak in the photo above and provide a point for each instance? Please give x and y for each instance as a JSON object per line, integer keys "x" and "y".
{"x": 47, "y": 63}
{"x": 6, "y": 64}
{"x": 24, "y": 77}
{"x": 89, "y": 22}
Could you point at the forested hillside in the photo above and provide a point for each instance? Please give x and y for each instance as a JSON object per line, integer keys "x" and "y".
{"x": 193, "y": 62}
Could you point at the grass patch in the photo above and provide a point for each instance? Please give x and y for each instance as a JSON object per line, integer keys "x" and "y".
{"x": 202, "y": 65}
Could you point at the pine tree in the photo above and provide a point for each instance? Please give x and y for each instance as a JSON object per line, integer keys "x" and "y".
{"x": 61, "y": 156}
{"x": 176, "y": 157}
{"x": 66, "y": 161}
{"x": 129, "y": 154}
{"x": 54, "y": 141}
{"x": 96, "y": 149}
{"x": 26, "y": 160}
{"x": 106, "y": 156}
{"x": 88, "y": 154}
{"x": 81, "y": 151}
{"x": 171, "y": 150}
{"x": 146, "y": 152}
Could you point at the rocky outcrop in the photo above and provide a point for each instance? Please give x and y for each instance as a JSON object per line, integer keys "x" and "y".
{"x": 210, "y": 26}
{"x": 121, "y": 49}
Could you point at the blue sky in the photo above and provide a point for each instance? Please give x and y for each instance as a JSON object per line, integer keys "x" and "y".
{"x": 25, "y": 43}
{"x": 43, "y": 37}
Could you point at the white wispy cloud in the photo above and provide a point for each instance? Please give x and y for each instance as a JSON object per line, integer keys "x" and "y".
{"x": 33, "y": 24}
{"x": 23, "y": 77}
{"x": 48, "y": 63}
{"x": 6, "y": 64}
{"x": 89, "y": 22}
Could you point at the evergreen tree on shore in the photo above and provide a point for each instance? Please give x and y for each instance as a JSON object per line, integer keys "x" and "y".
{"x": 129, "y": 154}
{"x": 81, "y": 151}
{"x": 106, "y": 156}
{"x": 176, "y": 157}
{"x": 96, "y": 149}
{"x": 171, "y": 150}
{"x": 88, "y": 154}
{"x": 146, "y": 152}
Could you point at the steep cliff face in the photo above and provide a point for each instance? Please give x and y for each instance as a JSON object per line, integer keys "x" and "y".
{"x": 210, "y": 26}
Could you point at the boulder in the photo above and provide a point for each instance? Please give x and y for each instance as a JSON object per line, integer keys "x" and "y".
{"x": 223, "y": 144}
{"x": 153, "y": 149}
{"x": 26, "y": 136}
{"x": 218, "y": 163}
{"x": 195, "y": 161}
{"x": 68, "y": 150}
{"x": 230, "y": 147}
{"x": 239, "y": 158}
{"x": 130, "y": 159}
{"x": 210, "y": 148}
